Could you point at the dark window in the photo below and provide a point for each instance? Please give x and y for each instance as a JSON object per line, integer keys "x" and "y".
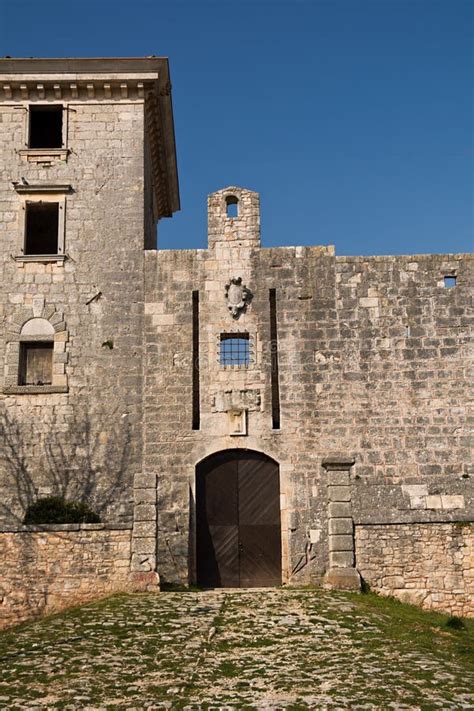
{"x": 36, "y": 364}
{"x": 449, "y": 281}
{"x": 274, "y": 361}
{"x": 232, "y": 206}
{"x": 196, "y": 384}
{"x": 41, "y": 233}
{"x": 235, "y": 349}
{"x": 46, "y": 127}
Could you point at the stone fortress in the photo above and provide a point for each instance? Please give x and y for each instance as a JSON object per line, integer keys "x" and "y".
{"x": 237, "y": 415}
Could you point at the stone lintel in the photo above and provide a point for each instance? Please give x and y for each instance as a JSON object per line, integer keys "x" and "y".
{"x": 338, "y": 462}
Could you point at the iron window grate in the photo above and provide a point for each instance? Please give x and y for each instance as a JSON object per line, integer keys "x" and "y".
{"x": 235, "y": 349}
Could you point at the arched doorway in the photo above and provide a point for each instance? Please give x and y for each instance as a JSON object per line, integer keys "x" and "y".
{"x": 238, "y": 533}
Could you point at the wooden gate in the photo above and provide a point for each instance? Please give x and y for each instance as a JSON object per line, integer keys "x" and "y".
{"x": 238, "y": 520}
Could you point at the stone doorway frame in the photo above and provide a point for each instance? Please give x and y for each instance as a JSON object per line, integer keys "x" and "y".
{"x": 284, "y": 522}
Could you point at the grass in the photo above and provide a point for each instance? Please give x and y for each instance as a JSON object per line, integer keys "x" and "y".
{"x": 289, "y": 641}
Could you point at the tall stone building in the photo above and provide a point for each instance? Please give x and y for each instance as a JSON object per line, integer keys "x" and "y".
{"x": 238, "y": 415}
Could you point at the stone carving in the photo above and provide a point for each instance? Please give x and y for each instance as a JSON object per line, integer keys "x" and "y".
{"x": 237, "y": 295}
{"x": 227, "y": 400}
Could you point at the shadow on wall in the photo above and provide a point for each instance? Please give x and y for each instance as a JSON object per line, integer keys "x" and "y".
{"x": 84, "y": 460}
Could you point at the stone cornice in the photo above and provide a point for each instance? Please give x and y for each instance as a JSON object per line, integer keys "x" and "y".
{"x": 106, "y": 80}
{"x": 28, "y": 188}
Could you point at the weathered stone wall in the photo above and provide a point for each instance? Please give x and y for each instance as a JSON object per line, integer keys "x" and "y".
{"x": 427, "y": 564}
{"x": 46, "y": 571}
{"x": 373, "y": 364}
{"x": 86, "y": 442}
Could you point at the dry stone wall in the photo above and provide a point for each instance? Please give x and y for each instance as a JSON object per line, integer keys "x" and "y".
{"x": 46, "y": 571}
{"x": 427, "y": 564}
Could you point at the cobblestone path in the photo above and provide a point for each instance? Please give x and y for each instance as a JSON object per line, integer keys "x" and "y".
{"x": 265, "y": 649}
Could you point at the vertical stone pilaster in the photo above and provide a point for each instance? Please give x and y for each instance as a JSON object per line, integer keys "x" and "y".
{"x": 143, "y": 563}
{"x": 342, "y": 573}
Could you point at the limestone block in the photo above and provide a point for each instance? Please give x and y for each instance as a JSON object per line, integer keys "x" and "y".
{"x": 368, "y": 302}
{"x": 342, "y": 579}
{"x": 144, "y": 546}
{"x": 452, "y": 502}
{"x": 144, "y": 528}
{"x": 340, "y": 526}
{"x": 434, "y": 502}
{"x": 339, "y": 493}
{"x": 339, "y": 510}
{"x": 341, "y": 559}
{"x": 341, "y": 543}
{"x": 336, "y": 478}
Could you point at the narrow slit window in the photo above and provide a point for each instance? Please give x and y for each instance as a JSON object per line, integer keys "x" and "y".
{"x": 232, "y": 206}
{"x": 449, "y": 282}
{"x": 46, "y": 127}
{"x": 274, "y": 372}
{"x": 36, "y": 363}
{"x": 196, "y": 375}
{"x": 235, "y": 349}
{"x": 41, "y": 233}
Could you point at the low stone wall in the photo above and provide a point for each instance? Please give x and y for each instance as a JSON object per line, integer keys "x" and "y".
{"x": 427, "y": 564}
{"x": 48, "y": 568}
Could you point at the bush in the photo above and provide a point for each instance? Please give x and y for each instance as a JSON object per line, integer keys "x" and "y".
{"x": 455, "y": 623}
{"x": 54, "y": 509}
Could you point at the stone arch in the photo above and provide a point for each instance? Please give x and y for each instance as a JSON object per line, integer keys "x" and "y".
{"x": 238, "y": 520}
{"x": 39, "y": 322}
{"x": 37, "y": 326}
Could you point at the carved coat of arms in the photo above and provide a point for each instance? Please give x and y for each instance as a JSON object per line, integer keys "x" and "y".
{"x": 237, "y": 296}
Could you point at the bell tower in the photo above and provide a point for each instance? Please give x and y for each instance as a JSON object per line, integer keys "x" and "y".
{"x": 234, "y": 218}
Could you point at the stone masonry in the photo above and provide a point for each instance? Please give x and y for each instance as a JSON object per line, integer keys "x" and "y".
{"x": 355, "y": 380}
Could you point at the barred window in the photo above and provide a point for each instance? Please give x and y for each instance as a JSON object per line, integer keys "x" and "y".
{"x": 235, "y": 349}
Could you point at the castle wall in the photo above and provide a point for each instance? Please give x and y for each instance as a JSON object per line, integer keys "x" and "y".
{"x": 85, "y": 442}
{"x": 373, "y": 364}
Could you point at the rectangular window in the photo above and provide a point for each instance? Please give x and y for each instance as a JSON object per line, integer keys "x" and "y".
{"x": 41, "y": 228}
{"x": 36, "y": 364}
{"x": 449, "y": 282}
{"x": 46, "y": 127}
{"x": 235, "y": 349}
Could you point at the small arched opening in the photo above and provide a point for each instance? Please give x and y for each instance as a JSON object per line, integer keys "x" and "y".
{"x": 232, "y": 206}
{"x": 36, "y": 353}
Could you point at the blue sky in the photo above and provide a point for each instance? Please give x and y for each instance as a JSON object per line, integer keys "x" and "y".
{"x": 352, "y": 118}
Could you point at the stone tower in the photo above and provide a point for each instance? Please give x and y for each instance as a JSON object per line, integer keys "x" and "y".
{"x": 88, "y": 169}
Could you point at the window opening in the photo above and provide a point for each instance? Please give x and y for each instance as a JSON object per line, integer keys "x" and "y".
{"x": 36, "y": 364}
{"x": 235, "y": 349}
{"x": 46, "y": 127}
{"x": 196, "y": 383}
{"x": 275, "y": 380}
{"x": 232, "y": 206}
{"x": 449, "y": 281}
{"x": 41, "y": 234}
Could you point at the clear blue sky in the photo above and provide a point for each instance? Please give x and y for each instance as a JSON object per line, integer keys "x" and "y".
{"x": 352, "y": 118}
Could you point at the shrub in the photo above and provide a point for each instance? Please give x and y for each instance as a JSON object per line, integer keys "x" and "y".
{"x": 455, "y": 623}
{"x": 54, "y": 509}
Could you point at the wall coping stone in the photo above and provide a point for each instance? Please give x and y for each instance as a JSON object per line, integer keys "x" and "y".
{"x": 47, "y": 527}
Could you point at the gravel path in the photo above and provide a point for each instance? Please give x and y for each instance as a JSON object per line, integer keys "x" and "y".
{"x": 264, "y": 649}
